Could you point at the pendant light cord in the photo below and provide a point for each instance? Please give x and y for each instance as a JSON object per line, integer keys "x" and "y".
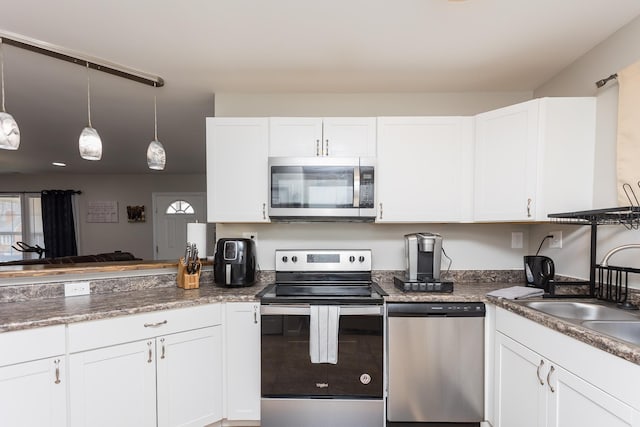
{"x": 2, "y": 74}
{"x": 88, "y": 96}
{"x": 155, "y": 115}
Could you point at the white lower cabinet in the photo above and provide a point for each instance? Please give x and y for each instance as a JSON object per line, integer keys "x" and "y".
{"x": 531, "y": 390}
{"x": 32, "y": 378}
{"x": 33, "y": 394}
{"x": 171, "y": 379}
{"x": 115, "y": 385}
{"x": 242, "y": 349}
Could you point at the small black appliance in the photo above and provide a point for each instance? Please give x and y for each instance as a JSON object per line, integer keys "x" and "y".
{"x": 234, "y": 263}
{"x": 538, "y": 271}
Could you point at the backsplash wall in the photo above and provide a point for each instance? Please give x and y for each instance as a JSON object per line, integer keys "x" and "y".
{"x": 471, "y": 246}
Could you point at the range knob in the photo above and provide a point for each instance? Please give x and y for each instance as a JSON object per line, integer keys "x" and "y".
{"x": 352, "y": 258}
{"x": 285, "y": 259}
{"x": 361, "y": 258}
{"x": 294, "y": 258}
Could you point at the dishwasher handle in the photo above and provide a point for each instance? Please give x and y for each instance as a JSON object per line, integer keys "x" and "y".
{"x": 454, "y": 309}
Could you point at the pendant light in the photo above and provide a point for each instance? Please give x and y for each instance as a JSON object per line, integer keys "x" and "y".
{"x": 9, "y": 131}
{"x": 90, "y": 144}
{"x": 156, "y": 156}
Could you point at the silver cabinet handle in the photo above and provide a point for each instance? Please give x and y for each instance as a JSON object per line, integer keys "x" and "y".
{"x": 57, "y": 364}
{"x": 380, "y": 210}
{"x": 529, "y": 208}
{"x": 255, "y": 314}
{"x": 553, "y": 390}
{"x": 538, "y": 371}
{"x": 264, "y": 211}
{"x": 317, "y": 148}
{"x": 149, "y": 343}
{"x": 155, "y": 325}
{"x": 326, "y": 147}
{"x": 162, "y": 352}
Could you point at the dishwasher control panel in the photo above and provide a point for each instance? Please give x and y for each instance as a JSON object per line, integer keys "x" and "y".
{"x": 447, "y": 309}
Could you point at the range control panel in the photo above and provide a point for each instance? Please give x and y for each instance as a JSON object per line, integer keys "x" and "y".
{"x": 323, "y": 260}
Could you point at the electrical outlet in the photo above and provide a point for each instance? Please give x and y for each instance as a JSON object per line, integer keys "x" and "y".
{"x": 76, "y": 288}
{"x": 556, "y": 240}
{"x": 517, "y": 239}
{"x": 253, "y": 235}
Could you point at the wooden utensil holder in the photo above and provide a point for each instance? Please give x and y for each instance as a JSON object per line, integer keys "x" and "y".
{"x": 186, "y": 280}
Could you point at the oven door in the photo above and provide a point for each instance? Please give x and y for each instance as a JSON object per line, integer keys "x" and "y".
{"x": 287, "y": 370}
{"x": 311, "y": 187}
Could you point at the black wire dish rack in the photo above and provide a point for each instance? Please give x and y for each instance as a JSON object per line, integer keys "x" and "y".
{"x": 607, "y": 282}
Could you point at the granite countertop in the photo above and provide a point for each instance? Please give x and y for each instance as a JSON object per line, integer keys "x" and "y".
{"x": 623, "y": 349}
{"x": 54, "y": 311}
{"x": 21, "y": 315}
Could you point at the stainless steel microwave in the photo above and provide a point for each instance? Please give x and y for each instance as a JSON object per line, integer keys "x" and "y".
{"x": 322, "y": 188}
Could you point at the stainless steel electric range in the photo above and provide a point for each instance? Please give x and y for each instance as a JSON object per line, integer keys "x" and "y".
{"x": 322, "y": 341}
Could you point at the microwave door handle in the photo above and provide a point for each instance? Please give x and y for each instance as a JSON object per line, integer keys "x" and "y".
{"x": 356, "y": 187}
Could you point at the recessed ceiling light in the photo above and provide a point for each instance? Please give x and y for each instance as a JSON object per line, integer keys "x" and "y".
{"x": 59, "y": 164}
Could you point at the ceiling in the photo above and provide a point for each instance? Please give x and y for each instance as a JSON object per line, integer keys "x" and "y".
{"x": 202, "y": 47}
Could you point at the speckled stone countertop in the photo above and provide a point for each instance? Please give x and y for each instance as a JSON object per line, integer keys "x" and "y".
{"x": 54, "y": 311}
{"x": 143, "y": 297}
{"x": 623, "y": 349}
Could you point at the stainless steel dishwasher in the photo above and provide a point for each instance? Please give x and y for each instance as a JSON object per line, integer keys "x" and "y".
{"x": 436, "y": 363}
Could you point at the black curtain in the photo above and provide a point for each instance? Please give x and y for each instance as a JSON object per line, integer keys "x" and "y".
{"x": 57, "y": 223}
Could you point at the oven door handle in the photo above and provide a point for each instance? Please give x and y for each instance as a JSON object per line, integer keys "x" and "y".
{"x": 305, "y": 310}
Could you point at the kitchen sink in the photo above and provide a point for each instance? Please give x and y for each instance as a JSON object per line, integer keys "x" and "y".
{"x": 625, "y": 330}
{"x": 581, "y": 310}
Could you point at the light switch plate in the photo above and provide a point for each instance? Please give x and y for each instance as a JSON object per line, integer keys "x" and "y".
{"x": 517, "y": 239}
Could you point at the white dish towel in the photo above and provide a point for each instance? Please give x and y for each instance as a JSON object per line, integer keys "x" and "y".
{"x": 517, "y": 292}
{"x": 324, "y": 323}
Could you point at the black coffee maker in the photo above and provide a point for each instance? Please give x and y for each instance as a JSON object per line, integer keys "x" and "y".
{"x": 234, "y": 263}
{"x": 538, "y": 271}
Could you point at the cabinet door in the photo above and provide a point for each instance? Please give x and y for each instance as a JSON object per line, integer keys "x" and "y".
{"x": 33, "y": 394}
{"x": 519, "y": 385}
{"x": 349, "y": 136}
{"x": 243, "y": 361}
{"x": 295, "y": 137}
{"x": 575, "y": 402}
{"x": 424, "y": 169}
{"x": 506, "y": 163}
{"x": 190, "y": 377}
{"x": 114, "y": 386}
{"x": 237, "y": 171}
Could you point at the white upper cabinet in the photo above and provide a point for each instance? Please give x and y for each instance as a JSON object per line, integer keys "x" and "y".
{"x": 534, "y": 158}
{"x": 321, "y": 137}
{"x": 425, "y": 169}
{"x": 237, "y": 171}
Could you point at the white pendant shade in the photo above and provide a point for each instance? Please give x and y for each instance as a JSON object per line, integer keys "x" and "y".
{"x": 90, "y": 144}
{"x": 156, "y": 156}
{"x": 9, "y": 132}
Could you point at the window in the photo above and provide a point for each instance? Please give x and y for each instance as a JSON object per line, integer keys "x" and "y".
{"x": 20, "y": 221}
{"x": 180, "y": 207}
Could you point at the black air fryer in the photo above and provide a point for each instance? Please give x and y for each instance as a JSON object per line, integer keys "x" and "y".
{"x": 234, "y": 263}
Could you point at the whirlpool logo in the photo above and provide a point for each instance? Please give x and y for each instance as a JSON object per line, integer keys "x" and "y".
{"x": 322, "y": 385}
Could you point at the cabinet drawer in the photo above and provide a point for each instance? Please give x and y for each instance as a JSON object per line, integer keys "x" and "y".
{"x": 31, "y": 344}
{"x": 101, "y": 333}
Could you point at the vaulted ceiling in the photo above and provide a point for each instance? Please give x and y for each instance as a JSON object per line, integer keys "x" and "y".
{"x": 200, "y": 47}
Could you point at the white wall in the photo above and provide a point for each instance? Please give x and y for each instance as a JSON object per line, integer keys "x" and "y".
{"x": 471, "y": 246}
{"x": 127, "y": 190}
{"x": 362, "y": 104}
{"x": 615, "y": 53}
